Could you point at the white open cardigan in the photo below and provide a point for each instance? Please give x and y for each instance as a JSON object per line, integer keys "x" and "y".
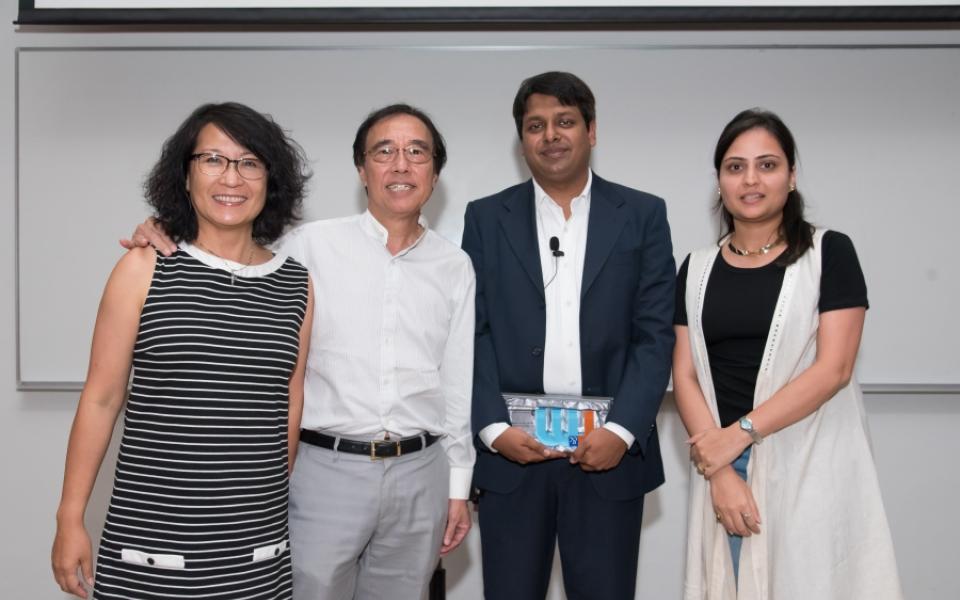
{"x": 824, "y": 532}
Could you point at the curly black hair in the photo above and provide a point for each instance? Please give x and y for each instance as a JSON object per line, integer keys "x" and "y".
{"x": 166, "y": 185}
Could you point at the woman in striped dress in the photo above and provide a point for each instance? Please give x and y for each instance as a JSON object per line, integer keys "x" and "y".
{"x": 216, "y": 335}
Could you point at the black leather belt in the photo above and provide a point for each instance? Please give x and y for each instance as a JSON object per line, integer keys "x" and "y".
{"x": 375, "y": 449}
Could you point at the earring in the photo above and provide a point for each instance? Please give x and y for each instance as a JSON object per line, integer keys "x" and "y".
{"x": 719, "y": 193}
{"x": 793, "y": 188}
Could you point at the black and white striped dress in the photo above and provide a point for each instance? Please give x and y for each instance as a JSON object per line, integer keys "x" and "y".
{"x": 199, "y": 505}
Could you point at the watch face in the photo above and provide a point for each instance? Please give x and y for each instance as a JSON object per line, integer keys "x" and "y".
{"x": 747, "y": 425}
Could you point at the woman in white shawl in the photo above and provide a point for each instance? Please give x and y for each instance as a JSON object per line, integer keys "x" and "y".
{"x": 785, "y": 502}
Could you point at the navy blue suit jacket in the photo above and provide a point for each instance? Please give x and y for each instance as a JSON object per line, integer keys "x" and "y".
{"x": 626, "y": 322}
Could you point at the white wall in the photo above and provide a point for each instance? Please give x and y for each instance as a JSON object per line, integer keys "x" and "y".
{"x": 913, "y": 435}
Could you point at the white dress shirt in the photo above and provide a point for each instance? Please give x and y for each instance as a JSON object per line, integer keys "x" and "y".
{"x": 562, "y": 278}
{"x": 392, "y": 343}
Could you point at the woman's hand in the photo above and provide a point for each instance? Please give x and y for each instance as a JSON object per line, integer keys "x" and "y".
{"x": 101, "y": 401}
{"x": 733, "y": 503}
{"x": 715, "y": 448}
{"x": 71, "y": 552}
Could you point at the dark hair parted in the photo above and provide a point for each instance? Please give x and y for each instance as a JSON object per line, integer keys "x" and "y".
{"x": 797, "y": 232}
{"x": 360, "y": 141}
{"x": 569, "y": 89}
{"x": 287, "y": 175}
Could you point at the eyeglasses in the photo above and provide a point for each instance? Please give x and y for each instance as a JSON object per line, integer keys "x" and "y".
{"x": 215, "y": 165}
{"x": 385, "y": 154}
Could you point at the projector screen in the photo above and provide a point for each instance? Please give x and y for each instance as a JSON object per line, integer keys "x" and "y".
{"x": 619, "y": 13}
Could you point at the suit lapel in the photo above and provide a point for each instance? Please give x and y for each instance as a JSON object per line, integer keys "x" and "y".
{"x": 602, "y": 231}
{"x": 521, "y": 232}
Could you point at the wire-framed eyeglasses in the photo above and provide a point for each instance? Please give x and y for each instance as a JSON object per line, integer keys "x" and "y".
{"x": 215, "y": 165}
{"x": 414, "y": 153}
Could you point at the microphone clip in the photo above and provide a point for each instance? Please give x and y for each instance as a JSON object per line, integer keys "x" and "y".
{"x": 555, "y": 246}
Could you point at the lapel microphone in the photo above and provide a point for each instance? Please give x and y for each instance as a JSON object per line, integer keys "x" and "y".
{"x": 555, "y": 250}
{"x": 555, "y": 246}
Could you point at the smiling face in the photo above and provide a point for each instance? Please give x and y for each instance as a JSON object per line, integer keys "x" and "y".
{"x": 225, "y": 201}
{"x": 556, "y": 143}
{"x": 398, "y": 188}
{"x": 755, "y": 177}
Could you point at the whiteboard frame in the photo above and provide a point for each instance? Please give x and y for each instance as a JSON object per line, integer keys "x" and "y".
{"x": 458, "y": 15}
{"x": 71, "y": 386}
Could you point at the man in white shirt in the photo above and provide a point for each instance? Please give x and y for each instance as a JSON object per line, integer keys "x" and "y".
{"x": 575, "y": 289}
{"x": 385, "y": 462}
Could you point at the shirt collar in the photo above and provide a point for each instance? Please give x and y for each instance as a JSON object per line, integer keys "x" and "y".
{"x": 374, "y": 229}
{"x": 541, "y": 197}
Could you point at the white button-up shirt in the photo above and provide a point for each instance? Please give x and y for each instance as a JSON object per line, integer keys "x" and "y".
{"x": 392, "y": 343}
{"x": 562, "y": 278}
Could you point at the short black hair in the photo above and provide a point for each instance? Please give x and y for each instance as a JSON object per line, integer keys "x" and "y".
{"x": 287, "y": 175}
{"x": 569, "y": 89}
{"x": 797, "y": 232}
{"x": 360, "y": 141}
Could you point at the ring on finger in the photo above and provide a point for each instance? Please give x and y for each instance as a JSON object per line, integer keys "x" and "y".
{"x": 746, "y": 516}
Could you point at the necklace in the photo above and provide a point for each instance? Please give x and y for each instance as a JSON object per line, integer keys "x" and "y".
{"x": 759, "y": 252}
{"x": 226, "y": 263}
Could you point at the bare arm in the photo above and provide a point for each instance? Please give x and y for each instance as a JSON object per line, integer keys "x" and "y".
{"x": 732, "y": 499}
{"x": 838, "y": 340}
{"x": 103, "y": 394}
{"x": 691, "y": 404}
{"x": 295, "y": 410}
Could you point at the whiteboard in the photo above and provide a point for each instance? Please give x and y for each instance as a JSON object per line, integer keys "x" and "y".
{"x": 877, "y": 128}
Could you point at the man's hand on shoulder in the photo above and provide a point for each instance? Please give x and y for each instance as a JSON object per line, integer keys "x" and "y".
{"x": 149, "y": 233}
{"x": 517, "y": 445}
{"x": 601, "y": 450}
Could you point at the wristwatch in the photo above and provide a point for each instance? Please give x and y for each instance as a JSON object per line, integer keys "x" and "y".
{"x": 747, "y": 425}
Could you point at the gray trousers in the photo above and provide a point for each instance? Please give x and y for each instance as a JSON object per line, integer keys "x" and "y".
{"x": 366, "y": 529}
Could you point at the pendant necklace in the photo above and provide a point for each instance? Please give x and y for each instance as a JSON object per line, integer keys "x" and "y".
{"x": 758, "y": 252}
{"x": 226, "y": 263}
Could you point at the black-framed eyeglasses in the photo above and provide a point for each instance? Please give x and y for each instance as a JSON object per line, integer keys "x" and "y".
{"x": 414, "y": 153}
{"x": 215, "y": 165}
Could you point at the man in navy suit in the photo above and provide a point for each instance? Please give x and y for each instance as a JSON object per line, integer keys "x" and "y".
{"x": 588, "y": 314}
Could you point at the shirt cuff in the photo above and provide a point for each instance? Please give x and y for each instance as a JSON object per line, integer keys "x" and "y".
{"x": 491, "y": 432}
{"x": 621, "y": 432}
{"x": 460, "y": 480}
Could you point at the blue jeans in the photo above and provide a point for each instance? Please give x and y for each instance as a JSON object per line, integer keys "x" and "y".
{"x": 740, "y": 466}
